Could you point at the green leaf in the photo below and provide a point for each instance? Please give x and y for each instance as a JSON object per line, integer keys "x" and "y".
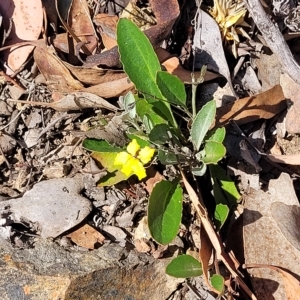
{"x": 164, "y": 211}
{"x": 217, "y": 281}
{"x": 111, "y": 178}
{"x": 159, "y": 134}
{"x": 169, "y": 158}
{"x": 199, "y": 171}
{"x": 221, "y": 214}
{"x": 129, "y": 105}
{"x": 148, "y": 123}
{"x": 141, "y": 65}
{"x": 224, "y": 188}
{"x": 202, "y": 123}
{"x": 141, "y": 140}
{"x": 145, "y": 109}
{"x": 138, "y": 57}
{"x": 99, "y": 146}
{"x": 162, "y": 133}
{"x": 184, "y": 266}
{"x": 172, "y": 88}
{"x": 106, "y": 160}
{"x": 214, "y": 151}
{"x": 217, "y": 135}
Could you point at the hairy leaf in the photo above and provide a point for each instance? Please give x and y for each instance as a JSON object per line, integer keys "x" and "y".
{"x": 224, "y": 188}
{"x": 184, "y": 266}
{"x": 138, "y": 57}
{"x": 221, "y": 214}
{"x": 99, "y": 146}
{"x": 164, "y": 211}
{"x": 214, "y": 151}
{"x": 202, "y": 123}
{"x": 172, "y": 88}
{"x": 217, "y": 281}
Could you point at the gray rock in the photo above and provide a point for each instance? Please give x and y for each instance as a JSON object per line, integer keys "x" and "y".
{"x": 50, "y": 272}
{"x": 51, "y": 206}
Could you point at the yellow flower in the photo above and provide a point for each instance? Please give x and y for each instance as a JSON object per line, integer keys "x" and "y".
{"x": 121, "y": 158}
{"x": 133, "y": 147}
{"x": 133, "y": 160}
{"x": 146, "y": 154}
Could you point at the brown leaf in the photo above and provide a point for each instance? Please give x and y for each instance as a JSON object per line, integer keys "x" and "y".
{"x": 291, "y": 284}
{"x": 61, "y": 42}
{"x": 206, "y": 252}
{"x": 81, "y": 23}
{"x": 93, "y": 76}
{"x": 108, "y": 42}
{"x": 153, "y": 179}
{"x": 173, "y": 66}
{"x": 287, "y": 218}
{"x": 86, "y": 237}
{"x": 107, "y": 25}
{"x": 166, "y": 13}
{"x": 57, "y": 75}
{"x": 291, "y": 159}
{"x": 74, "y": 101}
{"x": 262, "y": 106}
{"x": 111, "y": 89}
{"x": 208, "y": 38}
{"x": 27, "y": 21}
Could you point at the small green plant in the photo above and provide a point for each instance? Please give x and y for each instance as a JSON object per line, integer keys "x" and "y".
{"x": 156, "y": 135}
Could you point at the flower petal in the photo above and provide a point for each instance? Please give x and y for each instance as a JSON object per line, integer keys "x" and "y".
{"x": 127, "y": 170}
{"x": 133, "y": 147}
{"x": 121, "y": 158}
{"x": 146, "y": 154}
{"x": 139, "y": 169}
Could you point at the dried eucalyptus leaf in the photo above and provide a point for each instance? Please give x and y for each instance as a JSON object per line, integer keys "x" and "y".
{"x": 209, "y": 47}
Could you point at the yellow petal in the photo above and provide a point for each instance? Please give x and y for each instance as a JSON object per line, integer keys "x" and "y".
{"x": 121, "y": 158}
{"x": 146, "y": 154}
{"x": 127, "y": 170}
{"x": 128, "y": 166}
{"x": 139, "y": 169}
{"x": 134, "y": 166}
{"x": 133, "y": 147}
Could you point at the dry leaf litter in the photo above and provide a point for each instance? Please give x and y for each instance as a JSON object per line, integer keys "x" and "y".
{"x": 62, "y": 84}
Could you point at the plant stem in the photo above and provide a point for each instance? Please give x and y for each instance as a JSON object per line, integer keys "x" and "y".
{"x": 194, "y": 89}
